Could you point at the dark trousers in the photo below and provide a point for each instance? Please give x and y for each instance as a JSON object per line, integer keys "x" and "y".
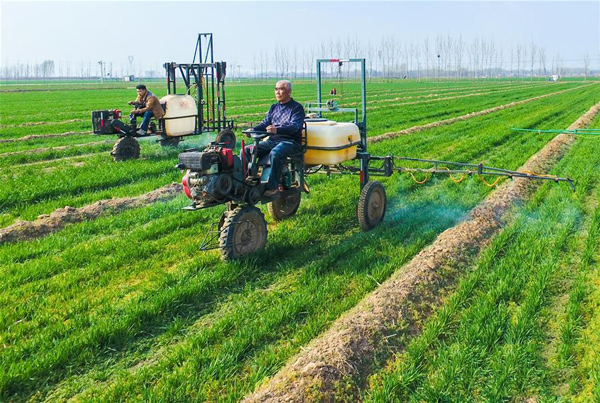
{"x": 147, "y": 116}
{"x": 279, "y": 151}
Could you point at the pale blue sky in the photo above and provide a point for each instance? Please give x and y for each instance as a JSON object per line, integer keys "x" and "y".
{"x": 155, "y": 32}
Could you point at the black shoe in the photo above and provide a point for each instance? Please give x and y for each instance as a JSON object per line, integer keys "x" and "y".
{"x": 271, "y": 193}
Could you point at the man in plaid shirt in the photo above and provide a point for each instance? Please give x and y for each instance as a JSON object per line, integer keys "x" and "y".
{"x": 284, "y": 122}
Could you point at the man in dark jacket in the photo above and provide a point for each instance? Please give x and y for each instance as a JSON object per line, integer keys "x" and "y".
{"x": 150, "y": 106}
{"x": 284, "y": 122}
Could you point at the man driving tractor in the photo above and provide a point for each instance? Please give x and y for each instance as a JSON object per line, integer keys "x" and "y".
{"x": 147, "y": 105}
{"x": 284, "y": 122}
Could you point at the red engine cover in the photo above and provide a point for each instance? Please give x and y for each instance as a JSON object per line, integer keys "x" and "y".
{"x": 186, "y": 185}
{"x": 226, "y": 155}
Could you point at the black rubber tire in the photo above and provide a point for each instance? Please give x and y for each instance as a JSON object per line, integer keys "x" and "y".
{"x": 222, "y": 220}
{"x": 243, "y": 232}
{"x": 226, "y": 136}
{"x": 285, "y": 207}
{"x": 126, "y": 148}
{"x": 371, "y": 205}
{"x": 169, "y": 142}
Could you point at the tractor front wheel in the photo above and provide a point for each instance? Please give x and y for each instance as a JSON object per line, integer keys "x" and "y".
{"x": 371, "y": 205}
{"x": 126, "y": 148}
{"x": 285, "y": 207}
{"x": 227, "y": 138}
{"x": 244, "y": 231}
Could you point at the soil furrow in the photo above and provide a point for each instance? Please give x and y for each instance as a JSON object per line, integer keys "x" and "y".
{"x": 59, "y": 148}
{"x": 424, "y": 98}
{"x": 444, "y": 122}
{"x": 48, "y": 223}
{"x": 29, "y": 124}
{"x": 244, "y": 115}
{"x": 44, "y": 136}
{"x": 59, "y": 159}
{"x": 347, "y": 350}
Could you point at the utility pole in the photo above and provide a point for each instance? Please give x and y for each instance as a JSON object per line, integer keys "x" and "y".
{"x": 130, "y": 58}
{"x": 101, "y": 63}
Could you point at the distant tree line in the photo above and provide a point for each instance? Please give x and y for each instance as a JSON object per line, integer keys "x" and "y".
{"x": 440, "y": 57}
{"x": 64, "y": 69}
{"x": 443, "y": 56}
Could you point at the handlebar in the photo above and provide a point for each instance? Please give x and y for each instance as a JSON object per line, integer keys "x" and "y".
{"x": 256, "y": 134}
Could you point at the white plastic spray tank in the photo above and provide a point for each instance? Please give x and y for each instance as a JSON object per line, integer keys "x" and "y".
{"x": 180, "y": 114}
{"x": 333, "y": 140}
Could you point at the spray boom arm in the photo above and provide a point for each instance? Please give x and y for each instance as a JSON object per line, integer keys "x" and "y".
{"x": 442, "y": 167}
{"x": 477, "y": 169}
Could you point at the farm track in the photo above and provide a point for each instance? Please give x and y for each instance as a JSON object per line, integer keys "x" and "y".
{"x": 444, "y": 122}
{"x": 346, "y": 351}
{"x": 48, "y": 223}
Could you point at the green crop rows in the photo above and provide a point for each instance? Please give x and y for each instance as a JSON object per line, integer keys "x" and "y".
{"x": 125, "y": 307}
{"x": 505, "y": 333}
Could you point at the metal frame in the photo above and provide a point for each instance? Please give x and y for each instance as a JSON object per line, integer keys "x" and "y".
{"x": 320, "y": 106}
{"x": 388, "y": 167}
{"x": 362, "y": 155}
{"x": 208, "y": 77}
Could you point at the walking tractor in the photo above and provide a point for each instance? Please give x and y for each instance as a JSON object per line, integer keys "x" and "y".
{"x": 216, "y": 176}
{"x": 200, "y": 109}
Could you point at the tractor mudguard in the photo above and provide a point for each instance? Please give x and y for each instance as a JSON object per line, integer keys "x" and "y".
{"x": 121, "y": 128}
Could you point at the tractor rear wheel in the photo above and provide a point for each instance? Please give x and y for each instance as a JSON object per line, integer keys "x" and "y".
{"x": 126, "y": 148}
{"x": 244, "y": 231}
{"x": 227, "y": 137}
{"x": 285, "y": 207}
{"x": 169, "y": 141}
{"x": 371, "y": 205}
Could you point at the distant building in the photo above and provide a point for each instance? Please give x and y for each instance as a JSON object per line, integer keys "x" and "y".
{"x": 553, "y": 78}
{"x": 129, "y": 78}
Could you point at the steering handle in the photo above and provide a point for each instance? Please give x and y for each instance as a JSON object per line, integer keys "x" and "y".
{"x": 256, "y": 134}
